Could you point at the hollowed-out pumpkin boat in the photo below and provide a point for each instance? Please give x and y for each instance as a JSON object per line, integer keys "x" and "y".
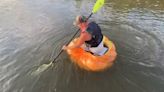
{"x": 90, "y": 62}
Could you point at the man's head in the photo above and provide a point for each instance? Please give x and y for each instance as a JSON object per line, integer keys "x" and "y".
{"x": 80, "y": 20}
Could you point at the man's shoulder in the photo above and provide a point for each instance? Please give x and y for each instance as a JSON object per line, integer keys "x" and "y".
{"x": 92, "y": 22}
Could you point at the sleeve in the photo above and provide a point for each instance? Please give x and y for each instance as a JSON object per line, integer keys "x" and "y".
{"x": 89, "y": 30}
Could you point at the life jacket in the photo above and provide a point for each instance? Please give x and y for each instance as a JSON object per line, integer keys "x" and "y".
{"x": 95, "y": 32}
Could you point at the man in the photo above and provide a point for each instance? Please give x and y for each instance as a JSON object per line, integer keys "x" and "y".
{"x": 91, "y": 38}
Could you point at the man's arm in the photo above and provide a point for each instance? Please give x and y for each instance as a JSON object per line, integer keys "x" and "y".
{"x": 83, "y": 37}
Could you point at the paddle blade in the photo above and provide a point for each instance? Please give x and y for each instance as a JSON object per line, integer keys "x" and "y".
{"x": 98, "y": 5}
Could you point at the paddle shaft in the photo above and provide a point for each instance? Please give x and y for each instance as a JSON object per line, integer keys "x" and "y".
{"x": 70, "y": 40}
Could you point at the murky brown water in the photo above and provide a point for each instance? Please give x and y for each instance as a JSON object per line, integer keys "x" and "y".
{"x": 32, "y": 33}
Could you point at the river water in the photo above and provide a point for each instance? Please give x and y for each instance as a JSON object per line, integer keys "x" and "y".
{"x": 32, "y": 33}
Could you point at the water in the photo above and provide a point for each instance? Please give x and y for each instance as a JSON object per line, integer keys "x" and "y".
{"x": 32, "y": 33}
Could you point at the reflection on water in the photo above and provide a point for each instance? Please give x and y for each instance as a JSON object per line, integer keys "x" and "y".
{"x": 32, "y": 33}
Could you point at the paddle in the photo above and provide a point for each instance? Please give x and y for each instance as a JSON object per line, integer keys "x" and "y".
{"x": 97, "y": 6}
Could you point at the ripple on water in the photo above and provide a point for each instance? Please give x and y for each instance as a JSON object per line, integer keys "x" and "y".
{"x": 140, "y": 52}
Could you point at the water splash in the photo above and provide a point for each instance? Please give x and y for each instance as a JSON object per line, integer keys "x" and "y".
{"x": 41, "y": 69}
